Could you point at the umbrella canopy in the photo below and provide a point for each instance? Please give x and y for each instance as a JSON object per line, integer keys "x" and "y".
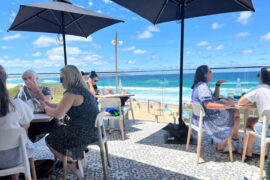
{"x": 60, "y": 17}
{"x": 159, "y": 11}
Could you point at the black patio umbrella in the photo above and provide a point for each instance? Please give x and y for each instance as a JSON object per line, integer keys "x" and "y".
{"x": 60, "y": 17}
{"x": 159, "y": 11}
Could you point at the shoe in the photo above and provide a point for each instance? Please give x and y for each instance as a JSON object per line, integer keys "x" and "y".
{"x": 240, "y": 139}
{"x": 79, "y": 172}
{"x": 248, "y": 158}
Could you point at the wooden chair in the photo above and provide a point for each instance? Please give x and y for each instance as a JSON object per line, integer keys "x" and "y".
{"x": 264, "y": 140}
{"x": 113, "y": 102}
{"x": 102, "y": 143}
{"x": 13, "y": 138}
{"x": 198, "y": 110}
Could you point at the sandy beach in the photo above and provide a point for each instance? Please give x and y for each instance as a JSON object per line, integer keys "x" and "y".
{"x": 9, "y": 85}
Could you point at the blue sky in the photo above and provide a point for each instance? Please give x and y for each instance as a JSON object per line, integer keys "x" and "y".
{"x": 231, "y": 39}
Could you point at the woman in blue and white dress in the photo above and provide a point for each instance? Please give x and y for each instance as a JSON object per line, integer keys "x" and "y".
{"x": 218, "y": 123}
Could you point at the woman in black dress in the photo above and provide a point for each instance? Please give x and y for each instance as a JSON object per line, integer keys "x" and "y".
{"x": 72, "y": 138}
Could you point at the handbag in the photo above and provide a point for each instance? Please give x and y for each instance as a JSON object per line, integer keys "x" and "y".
{"x": 44, "y": 167}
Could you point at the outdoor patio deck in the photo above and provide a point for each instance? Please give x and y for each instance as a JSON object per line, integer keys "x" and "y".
{"x": 143, "y": 155}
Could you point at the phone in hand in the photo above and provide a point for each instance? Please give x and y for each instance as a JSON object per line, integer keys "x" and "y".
{"x": 36, "y": 100}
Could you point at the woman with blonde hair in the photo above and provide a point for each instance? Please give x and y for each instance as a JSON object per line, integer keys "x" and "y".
{"x": 72, "y": 138}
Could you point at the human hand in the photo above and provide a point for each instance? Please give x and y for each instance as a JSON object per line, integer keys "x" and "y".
{"x": 42, "y": 106}
{"x": 229, "y": 103}
{"x": 33, "y": 86}
{"x": 219, "y": 82}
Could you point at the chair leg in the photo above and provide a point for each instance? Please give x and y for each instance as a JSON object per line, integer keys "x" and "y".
{"x": 107, "y": 153}
{"x": 199, "y": 148}
{"x": 245, "y": 147}
{"x": 103, "y": 165}
{"x": 188, "y": 138}
{"x": 121, "y": 128}
{"x": 262, "y": 161}
{"x": 33, "y": 168}
{"x": 230, "y": 148}
{"x": 65, "y": 168}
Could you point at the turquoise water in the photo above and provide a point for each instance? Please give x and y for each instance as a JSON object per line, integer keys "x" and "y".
{"x": 165, "y": 87}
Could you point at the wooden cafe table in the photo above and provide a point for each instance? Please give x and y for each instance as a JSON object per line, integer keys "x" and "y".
{"x": 41, "y": 117}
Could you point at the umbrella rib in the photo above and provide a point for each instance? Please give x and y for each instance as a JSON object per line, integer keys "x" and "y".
{"x": 55, "y": 17}
{"x": 48, "y": 21}
{"x": 161, "y": 11}
{"x": 78, "y": 25}
{"x": 27, "y": 19}
{"x": 244, "y": 5}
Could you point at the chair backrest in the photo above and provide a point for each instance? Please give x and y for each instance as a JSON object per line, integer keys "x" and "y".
{"x": 266, "y": 114}
{"x": 10, "y": 138}
{"x": 197, "y": 108}
{"x": 110, "y": 102}
{"x": 99, "y": 124}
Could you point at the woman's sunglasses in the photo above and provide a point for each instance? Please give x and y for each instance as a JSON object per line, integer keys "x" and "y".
{"x": 95, "y": 80}
{"x": 258, "y": 75}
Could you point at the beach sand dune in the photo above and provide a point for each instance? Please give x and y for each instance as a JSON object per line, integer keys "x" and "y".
{"x": 9, "y": 85}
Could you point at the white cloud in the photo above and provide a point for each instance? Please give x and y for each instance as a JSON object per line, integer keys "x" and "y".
{"x": 244, "y": 17}
{"x": 148, "y": 32}
{"x": 96, "y": 46}
{"x": 209, "y": 48}
{"x": 202, "y": 43}
{"x": 131, "y": 62}
{"x": 99, "y": 11}
{"x": 247, "y": 51}
{"x": 37, "y": 54}
{"x": 220, "y": 47}
{"x": 154, "y": 57}
{"x": 107, "y": 1}
{"x": 78, "y": 38}
{"x": 44, "y": 41}
{"x": 129, "y": 48}
{"x": 4, "y": 47}
{"x": 13, "y": 14}
{"x": 97, "y": 63}
{"x": 266, "y": 37}
{"x": 215, "y": 26}
{"x": 193, "y": 52}
{"x": 90, "y": 3}
{"x": 16, "y": 36}
{"x": 60, "y": 51}
{"x": 242, "y": 34}
{"x": 139, "y": 51}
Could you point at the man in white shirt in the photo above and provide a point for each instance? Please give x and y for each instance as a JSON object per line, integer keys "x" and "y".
{"x": 257, "y": 97}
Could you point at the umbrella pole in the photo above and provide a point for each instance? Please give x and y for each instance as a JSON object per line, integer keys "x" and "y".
{"x": 181, "y": 63}
{"x": 65, "y": 51}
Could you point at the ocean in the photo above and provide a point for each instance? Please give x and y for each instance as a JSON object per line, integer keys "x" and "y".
{"x": 165, "y": 87}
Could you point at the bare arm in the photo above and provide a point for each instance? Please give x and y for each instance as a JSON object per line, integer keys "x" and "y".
{"x": 217, "y": 88}
{"x": 62, "y": 108}
{"x": 91, "y": 88}
{"x": 52, "y": 105}
{"x": 211, "y": 105}
{"x": 243, "y": 101}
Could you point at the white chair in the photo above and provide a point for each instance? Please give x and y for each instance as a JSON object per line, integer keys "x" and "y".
{"x": 264, "y": 139}
{"x": 198, "y": 110}
{"x": 102, "y": 143}
{"x": 113, "y": 102}
{"x": 12, "y": 138}
{"x": 127, "y": 108}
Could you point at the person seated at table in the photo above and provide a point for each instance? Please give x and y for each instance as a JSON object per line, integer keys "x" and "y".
{"x": 257, "y": 97}
{"x": 92, "y": 83}
{"x": 14, "y": 113}
{"x": 219, "y": 123}
{"x": 32, "y": 89}
{"x": 72, "y": 138}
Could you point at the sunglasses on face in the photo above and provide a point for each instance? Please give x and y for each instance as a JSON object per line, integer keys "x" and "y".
{"x": 258, "y": 75}
{"x": 95, "y": 80}
{"x": 61, "y": 79}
